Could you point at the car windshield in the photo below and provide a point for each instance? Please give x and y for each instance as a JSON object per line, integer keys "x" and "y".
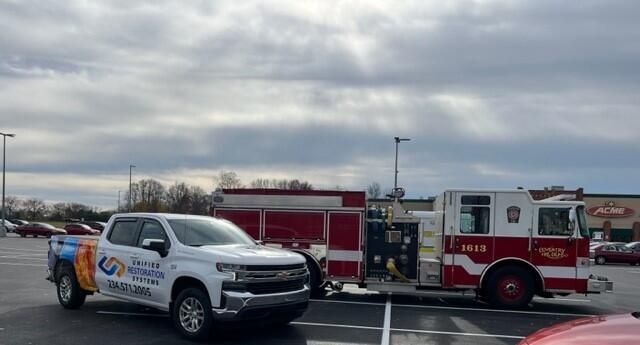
{"x": 203, "y": 231}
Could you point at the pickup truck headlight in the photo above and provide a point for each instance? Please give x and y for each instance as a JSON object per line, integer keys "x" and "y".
{"x": 230, "y": 267}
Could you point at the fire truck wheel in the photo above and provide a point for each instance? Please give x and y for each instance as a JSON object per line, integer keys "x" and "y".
{"x": 510, "y": 287}
{"x": 315, "y": 282}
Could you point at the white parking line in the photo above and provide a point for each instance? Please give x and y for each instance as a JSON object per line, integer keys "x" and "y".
{"x": 457, "y": 333}
{"x": 333, "y": 325}
{"x": 316, "y": 324}
{"x": 132, "y": 314}
{"x": 345, "y": 302}
{"x": 387, "y": 321}
{"x": 17, "y": 257}
{"x": 22, "y": 249}
{"x": 21, "y": 264}
{"x": 489, "y": 310}
{"x": 563, "y": 299}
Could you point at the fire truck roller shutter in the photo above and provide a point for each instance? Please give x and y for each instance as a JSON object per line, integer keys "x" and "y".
{"x": 510, "y": 282}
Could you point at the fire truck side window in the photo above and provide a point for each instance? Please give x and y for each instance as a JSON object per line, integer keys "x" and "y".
{"x": 554, "y": 222}
{"x": 474, "y": 218}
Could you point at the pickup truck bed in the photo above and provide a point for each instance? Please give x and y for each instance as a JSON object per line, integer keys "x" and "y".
{"x": 78, "y": 250}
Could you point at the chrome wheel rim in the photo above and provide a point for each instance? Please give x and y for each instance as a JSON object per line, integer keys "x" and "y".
{"x": 65, "y": 288}
{"x": 191, "y": 314}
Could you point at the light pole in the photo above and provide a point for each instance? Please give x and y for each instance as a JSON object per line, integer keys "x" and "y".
{"x": 118, "y": 210}
{"x": 395, "y": 181}
{"x": 3, "y": 229}
{"x": 131, "y": 166}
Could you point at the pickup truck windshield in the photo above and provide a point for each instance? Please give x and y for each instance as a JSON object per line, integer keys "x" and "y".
{"x": 202, "y": 232}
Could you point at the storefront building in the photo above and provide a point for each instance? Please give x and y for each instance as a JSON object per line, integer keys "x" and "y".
{"x": 613, "y": 217}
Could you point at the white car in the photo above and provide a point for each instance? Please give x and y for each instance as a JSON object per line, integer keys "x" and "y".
{"x": 9, "y": 227}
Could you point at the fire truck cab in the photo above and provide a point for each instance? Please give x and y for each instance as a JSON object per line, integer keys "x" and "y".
{"x": 502, "y": 244}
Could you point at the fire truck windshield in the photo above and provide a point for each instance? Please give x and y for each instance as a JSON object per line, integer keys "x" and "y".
{"x": 582, "y": 222}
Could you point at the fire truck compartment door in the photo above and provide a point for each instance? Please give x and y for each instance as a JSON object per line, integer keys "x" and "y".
{"x": 471, "y": 247}
{"x": 344, "y": 256}
{"x": 554, "y": 247}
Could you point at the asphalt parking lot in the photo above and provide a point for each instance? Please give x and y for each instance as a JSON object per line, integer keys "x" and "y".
{"x": 30, "y": 314}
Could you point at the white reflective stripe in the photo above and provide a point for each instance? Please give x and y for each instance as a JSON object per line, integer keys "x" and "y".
{"x": 584, "y": 273}
{"x": 557, "y": 272}
{"x": 547, "y": 271}
{"x": 466, "y": 263}
{"x": 344, "y": 255}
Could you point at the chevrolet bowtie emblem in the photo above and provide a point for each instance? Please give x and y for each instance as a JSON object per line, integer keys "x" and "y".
{"x": 282, "y": 275}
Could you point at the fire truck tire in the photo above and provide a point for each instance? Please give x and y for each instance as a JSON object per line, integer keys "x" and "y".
{"x": 601, "y": 260}
{"x": 315, "y": 282}
{"x": 510, "y": 287}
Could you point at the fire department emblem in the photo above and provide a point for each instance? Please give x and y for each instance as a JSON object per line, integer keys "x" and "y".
{"x": 513, "y": 214}
{"x": 553, "y": 253}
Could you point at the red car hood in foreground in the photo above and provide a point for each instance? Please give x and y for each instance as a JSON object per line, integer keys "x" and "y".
{"x": 596, "y": 330}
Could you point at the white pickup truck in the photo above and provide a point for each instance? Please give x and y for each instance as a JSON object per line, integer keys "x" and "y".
{"x": 199, "y": 269}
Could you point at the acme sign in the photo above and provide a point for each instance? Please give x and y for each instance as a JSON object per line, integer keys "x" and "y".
{"x": 610, "y": 210}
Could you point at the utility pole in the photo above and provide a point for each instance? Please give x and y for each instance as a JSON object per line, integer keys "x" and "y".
{"x": 131, "y": 166}
{"x": 118, "y": 210}
{"x": 3, "y": 227}
{"x": 395, "y": 181}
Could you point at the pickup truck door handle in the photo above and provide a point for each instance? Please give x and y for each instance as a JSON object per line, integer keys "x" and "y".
{"x": 102, "y": 252}
{"x": 134, "y": 257}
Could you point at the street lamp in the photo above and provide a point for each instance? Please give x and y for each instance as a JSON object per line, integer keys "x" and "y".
{"x": 3, "y": 228}
{"x": 395, "y": 181}
{"x": 118, "y": 209}
{"x": 131, "y": 166}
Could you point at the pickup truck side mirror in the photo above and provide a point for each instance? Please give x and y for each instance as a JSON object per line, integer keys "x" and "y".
{"x": 155, "y": 245}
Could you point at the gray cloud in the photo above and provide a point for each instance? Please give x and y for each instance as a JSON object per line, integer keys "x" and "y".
{"x": 493, "y": 93}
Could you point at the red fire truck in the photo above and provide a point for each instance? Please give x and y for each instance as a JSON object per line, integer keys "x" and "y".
{"x": 500, "y": 243}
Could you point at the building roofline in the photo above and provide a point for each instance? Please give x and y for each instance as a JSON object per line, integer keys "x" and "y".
{"x": 630, "y": 196}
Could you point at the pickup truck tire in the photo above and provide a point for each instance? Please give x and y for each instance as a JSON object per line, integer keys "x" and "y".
{"x": 192, "y": 314}
{"x": 70, "y": 294}
{"x": 510, "y": 287}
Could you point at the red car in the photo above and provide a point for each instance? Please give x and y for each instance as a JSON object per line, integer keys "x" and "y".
{"x": 616, "y": 252}
{"x": 80, "y": 229}
{"x": 596, "y": 330}
{"x": 39, "y": 229}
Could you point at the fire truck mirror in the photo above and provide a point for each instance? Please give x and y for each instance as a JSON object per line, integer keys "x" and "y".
{"x": 572, "y": 218}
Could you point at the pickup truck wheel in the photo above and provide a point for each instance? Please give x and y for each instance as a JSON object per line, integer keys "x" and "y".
{"x": 510, "y": 287}
{"x": 192, "y": 314}
{"x": 70, "y": 295}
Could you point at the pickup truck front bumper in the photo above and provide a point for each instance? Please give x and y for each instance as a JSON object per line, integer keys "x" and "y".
{"x": 245, "y": 305}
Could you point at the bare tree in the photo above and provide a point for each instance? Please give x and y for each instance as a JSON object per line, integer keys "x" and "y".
{"x": 179, "y": 198}
{"x": 151, "y": 196}
{"x": 227, "y": 179}
{"x": 374, "y": 190}
{"x": 34, "y": 208}
{"x": 294, "y": 184}
{"x": 11, "y": 205}
{"x": 200, "y": 201}
{"x": 260, "y": 183}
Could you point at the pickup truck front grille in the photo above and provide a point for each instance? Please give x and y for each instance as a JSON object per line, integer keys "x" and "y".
{"x": 275, "y": 287}
{"x": 275, "y": 267}
{"x": 264, "y": 279}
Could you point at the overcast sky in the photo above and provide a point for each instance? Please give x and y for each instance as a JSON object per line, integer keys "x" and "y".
{"x": 492, "y": 94}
